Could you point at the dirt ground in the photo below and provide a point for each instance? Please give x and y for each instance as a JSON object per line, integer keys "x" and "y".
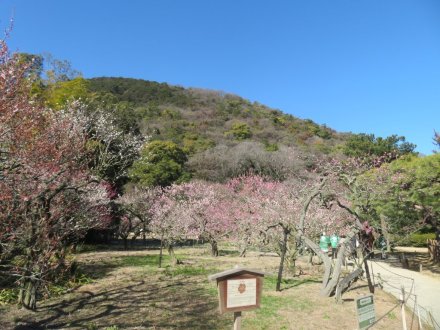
{"x": 141, "y": 296}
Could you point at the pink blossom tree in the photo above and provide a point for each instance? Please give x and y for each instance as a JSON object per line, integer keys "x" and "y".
{"x": 209, "y": 212}
{"x": 137, "y": 212}
{"x": 48, "y": 197}
{"x": 249, "y": 195}
{"x": 168, "y": 221}
{"x": 283, "y": 214}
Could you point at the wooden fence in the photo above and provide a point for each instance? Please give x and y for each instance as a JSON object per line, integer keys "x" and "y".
{"x": 434, "y": 250}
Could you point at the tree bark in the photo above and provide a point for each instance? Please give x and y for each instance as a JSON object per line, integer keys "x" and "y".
{"x": 160, "y": 252}
{"x": 214, "y": 247}
{"x": 330, "y": 288}
{"x": 283, "y": 251}
{"x": 332, "y": 273}
{"x": 367, "y": 274}
{"x": 243, "y": 251}
{"x": 243, "y": 247}
{"x": 28, "y": 294}
{"x": 384, "y": 227}
{"x": 172, "y": 254}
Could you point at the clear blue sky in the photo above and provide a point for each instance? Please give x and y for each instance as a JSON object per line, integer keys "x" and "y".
{"x": 369, "y": 66}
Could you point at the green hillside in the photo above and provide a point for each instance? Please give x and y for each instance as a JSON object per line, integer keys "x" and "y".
{"x": 224, "y": 135}
{"x": 198, "y": 119}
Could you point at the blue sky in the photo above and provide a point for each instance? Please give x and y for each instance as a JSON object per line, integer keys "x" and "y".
{"x": 369, "y": 66}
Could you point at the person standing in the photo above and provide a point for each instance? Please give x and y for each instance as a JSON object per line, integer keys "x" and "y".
{"x": 334, "y": 240}
{"x": 324, "y": 242}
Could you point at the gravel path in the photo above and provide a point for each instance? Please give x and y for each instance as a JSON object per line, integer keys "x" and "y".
{"x": 425, "y": 289}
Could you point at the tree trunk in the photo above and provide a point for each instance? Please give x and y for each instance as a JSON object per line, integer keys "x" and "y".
{"x": 214, "y": 247}
{"x": 160, "y": 253}
{"x": 384, "y": 227}
{"x": 367, "y": 274}
{"x": 283, "y": 256}
{"x": 311, "y": 254}
{"x": 174, "y": 260}
{"x": 332, "y": 273}
{"x": 144, "y": 236}
{"x": 243, "y": 251}
{"x": 28, "y": 294}
{"x": 331, "y": 285}
{"x": 243, "y": 248}
{"x": 324, "y": 257}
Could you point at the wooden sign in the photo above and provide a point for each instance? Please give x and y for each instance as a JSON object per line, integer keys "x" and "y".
{"x": 239, "y": 289}
{"x": 241, "y": 292}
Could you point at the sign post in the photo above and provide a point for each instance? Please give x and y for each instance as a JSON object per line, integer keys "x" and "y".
{"x": 239, "y": 290}
{"x": 365, "y": 311}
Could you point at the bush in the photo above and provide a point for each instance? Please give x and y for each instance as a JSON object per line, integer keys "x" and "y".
{"x": 240, "y": 131}
{"x": 8, "y": 296}
{"x": 417, "y": 239}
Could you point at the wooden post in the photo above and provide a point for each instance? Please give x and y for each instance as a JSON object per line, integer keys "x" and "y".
{"x": 402, "y": 299}
{"x": 418, "y": 315}
{"x": 237, "y": 320}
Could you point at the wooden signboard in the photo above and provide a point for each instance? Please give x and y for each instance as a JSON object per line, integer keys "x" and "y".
{"x": 240, "y": 293}
{"x": 239, "y": 290}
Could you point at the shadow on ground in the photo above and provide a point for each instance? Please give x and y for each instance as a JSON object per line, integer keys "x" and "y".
{"x": 141, "y": 304}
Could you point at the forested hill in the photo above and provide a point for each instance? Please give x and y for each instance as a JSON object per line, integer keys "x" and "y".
{"x": 218, "y": 135}
{"x": 198, "y": 119}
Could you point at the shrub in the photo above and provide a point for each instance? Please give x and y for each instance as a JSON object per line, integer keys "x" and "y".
{"x": 240, "y": 131}
{"x": 417, "y": 239}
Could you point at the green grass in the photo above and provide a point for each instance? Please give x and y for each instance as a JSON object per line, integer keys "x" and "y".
{"x": 64, "y": 285}
{"x": 211, "y": 290}
{"x": 268, "y": 314}
{"x": 272, "y": 305}
{"x": 152, "y": 261}
{"x": 8, "y": 296}
{"x": 85, "y": 248}
{"x": 392, "y": 316}
{"x": 187, "y": 270}
{"x": 142, "y": 261}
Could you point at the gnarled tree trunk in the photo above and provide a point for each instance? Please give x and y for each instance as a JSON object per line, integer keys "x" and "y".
{"x": 173, "y": 257}
{"x": 214, "y": 247}
{"x": 28, "y": 294}
{"x": 283, "y": 251}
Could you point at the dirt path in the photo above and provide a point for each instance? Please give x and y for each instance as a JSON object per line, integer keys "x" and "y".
{"x": 419, "y": 287}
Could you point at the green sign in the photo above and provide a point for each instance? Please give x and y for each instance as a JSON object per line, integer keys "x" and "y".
{"x": 365, "y": 311}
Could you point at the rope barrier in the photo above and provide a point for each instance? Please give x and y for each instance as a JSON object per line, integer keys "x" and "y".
{"x": 410, "y": 278}
{"x": 431, "y": 318}
{"x": 394, "y": 287}
{"x": 398, "y": 304}
{"x": 410, "y": 296}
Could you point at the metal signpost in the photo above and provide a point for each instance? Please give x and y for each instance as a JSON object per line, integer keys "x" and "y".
{"x": 365, "y": 311}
